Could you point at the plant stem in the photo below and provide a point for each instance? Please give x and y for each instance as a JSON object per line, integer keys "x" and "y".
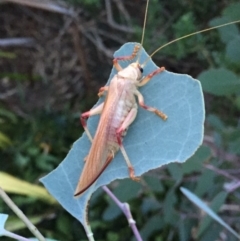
{"x": 15, "y": 236}
{"x": 21, "y": 215}
{"x": 126, "y": 210}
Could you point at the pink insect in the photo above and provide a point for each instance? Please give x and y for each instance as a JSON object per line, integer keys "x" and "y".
{"x": 118, "y": 111}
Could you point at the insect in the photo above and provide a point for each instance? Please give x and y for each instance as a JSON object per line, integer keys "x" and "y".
{"x": 118, "y": 112}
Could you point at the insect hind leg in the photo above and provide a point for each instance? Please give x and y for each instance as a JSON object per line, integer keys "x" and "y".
{"x": 95, "y": 111}
{"x": 119, "y": 133}
{"x": 118, "y": 67}
{"x": 129, "y": 164}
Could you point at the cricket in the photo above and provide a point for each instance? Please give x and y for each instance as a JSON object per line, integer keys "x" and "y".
{"x": 118, "y": 112}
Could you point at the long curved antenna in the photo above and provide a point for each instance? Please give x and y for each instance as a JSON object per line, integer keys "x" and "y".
{"x": 144, "y": 27}
{"x": 144, "y": 23}
{"x": 186, "y": 36}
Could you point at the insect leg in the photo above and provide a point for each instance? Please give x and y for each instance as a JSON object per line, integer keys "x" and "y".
{"x": 147, "y": 78}
{"x": 152, "y": 109}
{"x": 95, "y": 111}
{"x": 102, "y": 90}
{"x": 128, "y": 120}
{"x": 126, "y": 58}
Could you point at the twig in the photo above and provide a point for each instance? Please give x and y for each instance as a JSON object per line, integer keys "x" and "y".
{"x": 82, "y": 56}
{"x": 89, "y": 233}
{"x": 101, "y": 46}
{"x": 232, "y": 186}
{"x": 96, "y": 40}
{"x": 217, "y": 152}
{"x": 15, "y": 236}
{"x": 123, "y": 11}
{"x": 8, "y": 94}
{"x": 43, "y": 4}
{"x": 21, "y": 215}
{"x": 16, "y": 42}
{"x": 111, "y": 21}
{"x": 228, "y": 187}
{"x": 126, "y": 210}
{"x": 108, "y": 35}
{"x": 230, "y": 207}
{"x": 221, "y": 172}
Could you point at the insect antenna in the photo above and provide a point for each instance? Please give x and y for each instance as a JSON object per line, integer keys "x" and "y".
{"x": 186, "y": 36}
{"x": 143, "y": 32}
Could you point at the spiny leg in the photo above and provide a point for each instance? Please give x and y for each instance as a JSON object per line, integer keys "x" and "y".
{"x": 147, "y": 78}
{"x": 95, "y": 111}
{"x": 126, "y": 58}
{"x": 144, "y": 81}
{"x": 152, "y": 109}
{"x": 128, "y": 120}
{"x": 102, "y": 90}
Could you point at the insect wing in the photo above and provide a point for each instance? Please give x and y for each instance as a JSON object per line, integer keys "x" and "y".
{"x": 99, "y": 156}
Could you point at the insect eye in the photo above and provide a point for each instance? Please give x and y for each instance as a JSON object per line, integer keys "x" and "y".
{"x": 141, "y": 69}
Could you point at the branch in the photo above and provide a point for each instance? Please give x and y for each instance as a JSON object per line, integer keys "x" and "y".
{"x": 111, "y": 21}
{"x": 21, "y": 215}
{"x": 16, "y": 42}
{"x": 43, "y": 4}
{"x": 126, "y": 210}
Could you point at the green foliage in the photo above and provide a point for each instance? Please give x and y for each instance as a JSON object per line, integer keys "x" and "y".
{"x": 37, "y": 145}
{"x": 4, "y": 141}
{"x": 220, "y": 82}
{"x": 7, "y": 55}
{"x": 5, "y": 116}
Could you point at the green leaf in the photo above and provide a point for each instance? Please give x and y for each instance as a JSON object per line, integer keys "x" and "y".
{"x": 8, "y": 115}
{"x": 233, "y": 50}
{"x": 195, "y": 163}
{"x": 155, "y": 223}
{"x": 232, "y": 11}
{"x": 193, "y": 198}
{"x": 213, "y": 233}
{"x": 4, "y": 232}
{"x": 221, "y": 82}
{"x": 205, "y": 180}
{"x": 215, "y": 205}
{"x": 150, "y": 142}
{"x": 126, "y": 190}
{"x": 7, "y": 55}
{"x": 154, "y": 183}
{"x": 234, "y": 146}
{"x": 150, "y": 204}
{"x": 168, "y": 207}
{"x": 227, "y": 33}
{"x": 111, "y": 212}
{"x": 4, "y": 141}
{"x": 14, "y": 223}
{"x": 14, "y": 185}
{"x": 237, "y": 102}
{"x": 175, "y": 171}
{"x": 215, "y": 122}
{"x": 185, "y": 226}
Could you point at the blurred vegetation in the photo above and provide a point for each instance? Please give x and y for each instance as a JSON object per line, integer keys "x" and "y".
{"x": 43, "y": 89}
